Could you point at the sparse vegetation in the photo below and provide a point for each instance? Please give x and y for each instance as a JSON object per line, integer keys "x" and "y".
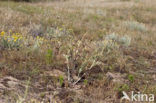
{"x": 76, "y": 51}
{"x": 133, "y": 25}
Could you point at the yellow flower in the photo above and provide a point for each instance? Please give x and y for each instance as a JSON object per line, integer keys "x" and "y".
{"x": 15, "y": 38}
{"x": 2, "y": 33}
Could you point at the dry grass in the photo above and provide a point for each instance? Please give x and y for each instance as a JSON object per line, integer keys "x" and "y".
{"x": 84, "y": 41}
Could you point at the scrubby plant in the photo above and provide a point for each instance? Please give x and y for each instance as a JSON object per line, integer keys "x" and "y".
{"x": 113, "y": 37}
{"x": 120, "y": 40}
{"x": 77, "y": 54}
{"x": 134, "y": 25}
{"x": 106, "y": 45}
{"x": 125, "y": 40}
